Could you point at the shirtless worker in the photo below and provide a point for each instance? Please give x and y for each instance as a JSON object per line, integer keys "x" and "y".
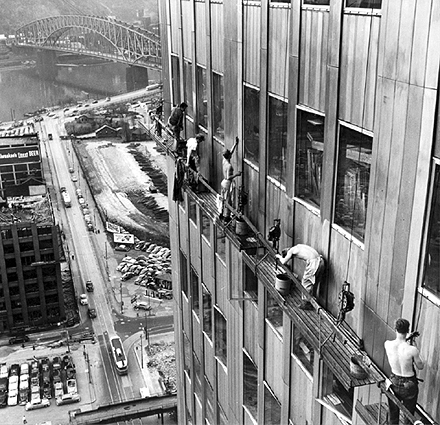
{"x": 228, "y": 176}
{"x": 402, "y": 357}
{"x": 313, "y": 271}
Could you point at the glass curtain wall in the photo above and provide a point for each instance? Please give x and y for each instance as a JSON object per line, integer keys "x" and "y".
{"x": 202, "y": 97}
{"x": 187, "y": 75}
{"x": 309, "y": 155}
{"x": 175, "y": 76}
{"x": 353, "y": 180}
{"x": 218, "y": 106}
{"x": 251, "y": 125}
{"x": 277, "y": 139}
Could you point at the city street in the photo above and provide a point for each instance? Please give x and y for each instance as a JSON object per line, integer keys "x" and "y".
{"x": 91, "y": 258}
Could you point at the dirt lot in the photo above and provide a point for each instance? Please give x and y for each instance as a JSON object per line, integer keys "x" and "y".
{"x": 121, "y": 177}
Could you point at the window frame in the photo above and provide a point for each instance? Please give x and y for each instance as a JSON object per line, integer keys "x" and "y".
{"x": 215, "y": 134}
{"x": 254, "y": 163}
{"x": 223, "y": 356}
{"x": 421, "y": 288}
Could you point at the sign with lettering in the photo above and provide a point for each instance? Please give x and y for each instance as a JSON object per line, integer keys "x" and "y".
{"x": 19, "y": 154}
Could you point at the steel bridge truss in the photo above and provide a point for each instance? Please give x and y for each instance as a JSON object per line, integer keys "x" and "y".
{"x": 106, "y": 38}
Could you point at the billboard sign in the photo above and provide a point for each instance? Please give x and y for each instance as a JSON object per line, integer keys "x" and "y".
{"x": 19, "y": 154}
{"x": 123, "y": 238}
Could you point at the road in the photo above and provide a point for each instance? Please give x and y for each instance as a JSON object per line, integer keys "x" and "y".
{"x": 86, "y": 256}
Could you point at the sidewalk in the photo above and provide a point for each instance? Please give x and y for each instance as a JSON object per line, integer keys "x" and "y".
{"x": 153, "y": 382}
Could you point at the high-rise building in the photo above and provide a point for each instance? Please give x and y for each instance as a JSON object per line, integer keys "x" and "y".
{"x": 335, "y": 105}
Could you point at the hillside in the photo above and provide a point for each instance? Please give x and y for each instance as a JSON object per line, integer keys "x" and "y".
{"x": 19, "y": 12}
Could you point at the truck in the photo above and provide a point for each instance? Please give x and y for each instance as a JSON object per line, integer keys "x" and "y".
{"x": 66, "y": 199}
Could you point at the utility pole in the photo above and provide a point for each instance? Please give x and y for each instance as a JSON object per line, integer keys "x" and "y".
{"x": 122, "y": 301}
{"x": 142, "y": 355}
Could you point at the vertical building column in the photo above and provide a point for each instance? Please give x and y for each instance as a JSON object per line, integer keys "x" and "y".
{"x": 331, "y": 120}
{"x": 263, "y": 114}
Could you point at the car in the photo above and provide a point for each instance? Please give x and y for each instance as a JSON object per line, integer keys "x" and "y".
{"x": 66, "y": 109}
{"x": 74, "y": 178}
{"x": 63, "y": 189}
{"x": 122, "y": 247}
{"x": 86, "y": 211}
{"x": 58, "y": 389}
{"x": 67, "y": 399}
{"x": 75, "y": 111}
{"x": 89, "y": 286}
{"x": 153, "y": 87}
{"x": 86, "y": 105}
{"x": 19, "y": 339}
{"x": 92, "y": 313}
{"x": 12, "y": 397}
{"x": 37, "y": 404}
{"x": 107, "y": 99}
{"x": 24, "y": 369}
{"x": 82, "y": 202}
{"x": 95, "y": 101}
{"x": 127, "y": 276}
{"x": 83, "y": 299}
{"x": 141, "y": 305}
{"x": 71, "y": 386}
{"x": 4, "y": 372}
{"x": 71, "y": 170}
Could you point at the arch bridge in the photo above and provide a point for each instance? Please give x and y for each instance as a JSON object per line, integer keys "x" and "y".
{"x": 102, "y": 37}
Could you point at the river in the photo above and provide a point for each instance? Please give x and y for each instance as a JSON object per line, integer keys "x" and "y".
{"x": 22, "y": 90}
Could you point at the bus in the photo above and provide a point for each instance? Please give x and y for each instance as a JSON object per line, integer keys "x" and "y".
{"x": 118, "y": 355}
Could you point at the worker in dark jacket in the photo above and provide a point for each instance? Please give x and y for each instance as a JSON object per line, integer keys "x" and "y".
{"x": 175, "y": 122}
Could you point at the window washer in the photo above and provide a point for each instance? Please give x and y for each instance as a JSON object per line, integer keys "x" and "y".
{"x": 402, "y": 357}
{"x": 313, "y": 272}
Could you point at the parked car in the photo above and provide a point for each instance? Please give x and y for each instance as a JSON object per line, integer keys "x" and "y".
{"x": 141, "y": 305}
{"x": 71, "y": 386}
{"x": 74, "y": 178}
{"x": 122, "y": 247}
{"x": 12, "y": 397}
{"x": 4, "y": 373}
{"x": 67, "y": 399}
{"x": 24, "y": 369}
{"x": 127, "y": 276}
{"x": 58, "y": 389}
{"x": 107, "y": 99}
{"x": 89, "y": 286}
{"x": 19, "y": 339}
{"x": 71, "y": 170}
{"x": 83, "y": 299}
{"x": 37, "y": 404}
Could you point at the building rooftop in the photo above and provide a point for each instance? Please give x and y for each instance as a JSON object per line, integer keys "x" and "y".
{"x": 23, "y": 209}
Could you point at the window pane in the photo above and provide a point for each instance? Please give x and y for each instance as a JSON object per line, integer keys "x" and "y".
{"x": 218, "y": 106}
{"x": 272, "y": 409}
{"x": 274, "y": 314}
{"x": 175, "y": 75}
{"x": 209, "y": 392}
{"x": 309, "y": 154}
{"x": 195, "y": 291}
{"x": 197, "y": 376}
{"x": 277, "y": 139}
{"x": 432, "y": 259}
{"x": 207, "y": 312}
{"x": 323, "y": 2}
{"x": 192, "y": 210}
{"x": 302, "y": 350}
{"x": 220, "y": 247}
{"x": 184, "y": 273}
{"x": 251, "y": 125}
{"x": 250, "y": 283}
{"x": 187, "y": 74}
{"x": 187, "y": 354}
{"x": 202, "y": 98}
{"x": 206, "y": 225}
{"x": 369, "y": 4}
{"x": 250, "y": 385}
{"x": 220, "y": 336}
{"x": 353, "y": 180}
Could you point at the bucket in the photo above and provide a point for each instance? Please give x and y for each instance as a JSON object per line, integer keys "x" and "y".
{"x": 282, "y": 283}
{"x": 356, "y": 370}
{"x": 241, "y": 228}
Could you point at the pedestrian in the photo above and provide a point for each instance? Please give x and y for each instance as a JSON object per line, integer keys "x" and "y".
{"x": 313, "y": 272}
{"x": 73, "y": 257}
{"x": 175, "y": 122}
{"x": 226, "y": 184}
{"x": 402, "y": 357}
{"x": 24, "y": 419}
